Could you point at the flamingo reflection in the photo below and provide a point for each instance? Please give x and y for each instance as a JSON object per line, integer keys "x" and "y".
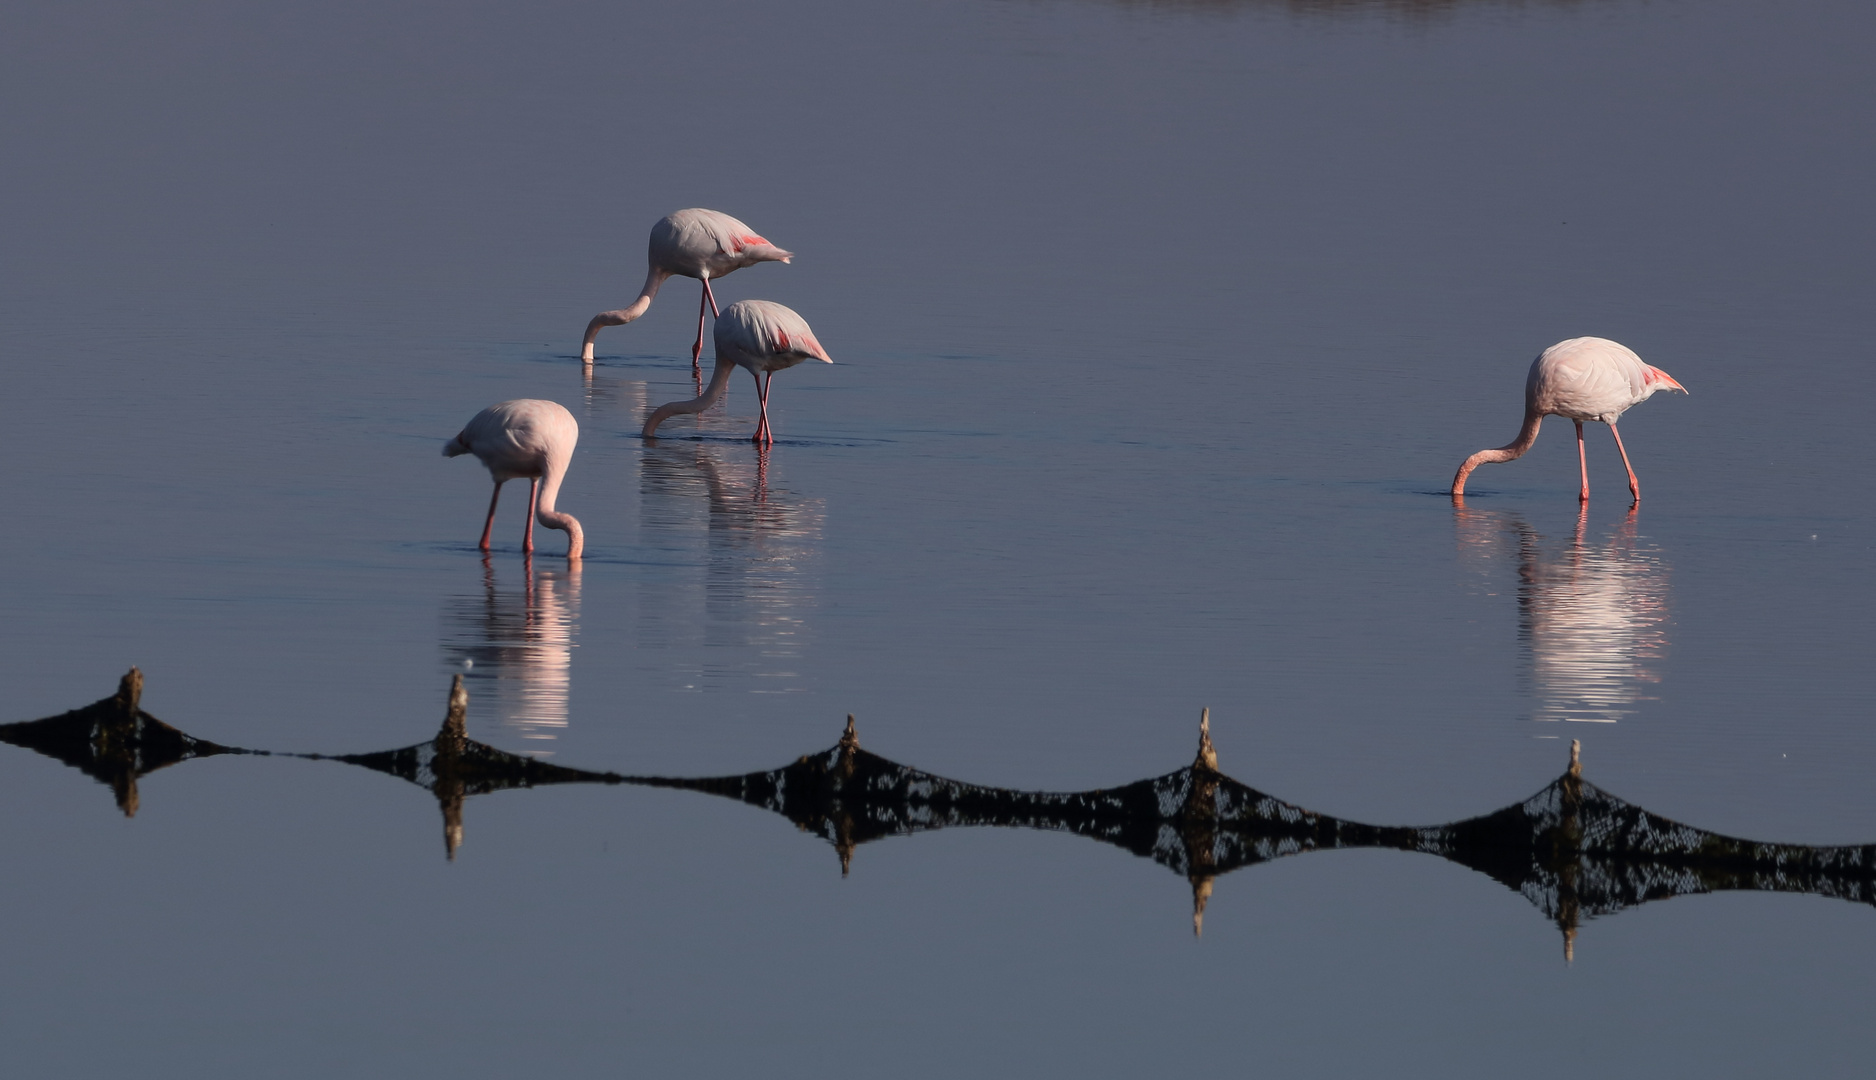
{"x": 760, "y": 549}
{"x": 1592, "y": 616}
{"x": 517, "y": 646}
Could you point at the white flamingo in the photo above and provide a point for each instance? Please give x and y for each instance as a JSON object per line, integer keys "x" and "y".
{"x": 525, "y": 437}
{"x": 1586, "y": 378}
{"x": 702, "y": 244}
{"x": 759, "y": 335}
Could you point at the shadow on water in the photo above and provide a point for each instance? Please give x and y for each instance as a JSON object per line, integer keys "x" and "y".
{"x": 1572, "y": 849}
{"x": 517, "y": 644}
{"x": 1592, "y": 615}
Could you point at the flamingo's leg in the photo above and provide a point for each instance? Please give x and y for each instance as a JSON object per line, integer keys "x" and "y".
{"x": 490, "y": 523}
{"x": 696, "y": 349}
{"x": 534, "y": 494}
{"x": 1582, "y": 463}
{"x": 763, "y": 434}
{"x": 763, "y": 398}
{"x": 1634, "y": 485}
{"x": 712, "y": 297}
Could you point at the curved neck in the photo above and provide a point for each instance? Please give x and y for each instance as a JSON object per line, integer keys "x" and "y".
{"x": 1527, "y": 435}
{"x": 719, "y": 381}
{"x": 623, "y": 315}
{"x": 545, "y": 513}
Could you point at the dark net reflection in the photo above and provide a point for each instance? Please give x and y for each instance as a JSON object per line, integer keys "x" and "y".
{"x": 1572, "y": 849}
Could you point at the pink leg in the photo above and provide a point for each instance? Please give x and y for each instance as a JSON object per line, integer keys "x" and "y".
{"x": 1634, "y": 485}
{"x": 534, "y": 489}
{"x": 696, "y": 349}
{"x": 490, "y": 523}
{"x": 1582, "y": 463}
{"x": 763, "y": 433}
{"x": 762, "y": 425}
{"x": 712, "y": 297}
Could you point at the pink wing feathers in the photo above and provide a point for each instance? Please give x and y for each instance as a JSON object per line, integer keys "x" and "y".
{"x": 763, "y": 328}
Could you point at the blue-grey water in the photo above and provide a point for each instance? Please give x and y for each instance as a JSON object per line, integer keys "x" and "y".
{"x": 1159, "y": 328}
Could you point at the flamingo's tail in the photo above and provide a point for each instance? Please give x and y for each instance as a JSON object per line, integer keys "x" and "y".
{"x": 1656, "y": 379}
{"x": 763, "y": 251}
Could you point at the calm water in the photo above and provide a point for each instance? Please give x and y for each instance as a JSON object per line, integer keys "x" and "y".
{"x": 1159, "y": 329}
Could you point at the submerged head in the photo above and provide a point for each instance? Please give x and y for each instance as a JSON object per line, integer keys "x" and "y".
{"x": 567, "y": 523}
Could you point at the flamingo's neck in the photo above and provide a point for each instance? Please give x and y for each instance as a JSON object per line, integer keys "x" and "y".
{"x": 545, "y": 513}
{"x": 1527, "y": 435}
{"x": 653, "y": 279}
{"x": 719, "y": 381}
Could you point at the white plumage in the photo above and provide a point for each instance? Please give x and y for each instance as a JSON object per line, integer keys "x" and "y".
{"x": 528, "y": 438}
{"x": 760, "y": 336}
{"x": 701, "y": 244}
{"x": 1586, "y": 378}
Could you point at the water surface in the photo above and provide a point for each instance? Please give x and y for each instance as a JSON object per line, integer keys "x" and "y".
{"x": 1159, "y": 329}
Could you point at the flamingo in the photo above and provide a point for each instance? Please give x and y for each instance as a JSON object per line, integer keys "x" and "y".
{"x": 759, "y": 335}
{"x": 703, "y": 244}
{"x": 531, "y": 438}
{"x": 1586, "y": 378}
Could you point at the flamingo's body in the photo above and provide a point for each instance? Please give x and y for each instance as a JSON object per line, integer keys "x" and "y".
{"x": 1586, "y": 378}
{"x": 702, "y": 244}
{"x": 525, "y": 438}
{"x": 761, "y": 336}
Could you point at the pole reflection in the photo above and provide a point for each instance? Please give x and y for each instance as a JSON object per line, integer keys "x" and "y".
{"x": 1592, "y": 615}
{"x": 515, "y": 646}
{"x": 760, "y": 548}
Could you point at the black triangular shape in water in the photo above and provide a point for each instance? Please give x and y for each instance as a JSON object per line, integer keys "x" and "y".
{"x": 1574, "y": 850}
{"x": 113, "y": 741}
{"x": 453, "y": 767}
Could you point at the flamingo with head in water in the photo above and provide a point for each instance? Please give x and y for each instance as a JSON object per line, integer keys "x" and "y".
{"x": 1586, "y": 378}
{"x": 531, "y": 438}
{"x": 703, "y": 244}
{"x": 759, "y": 335}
